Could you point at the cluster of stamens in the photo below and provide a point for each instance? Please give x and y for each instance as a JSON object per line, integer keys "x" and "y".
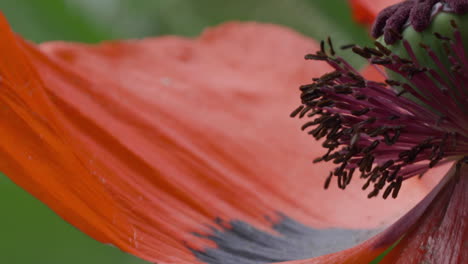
{"x": 388, "y": 131}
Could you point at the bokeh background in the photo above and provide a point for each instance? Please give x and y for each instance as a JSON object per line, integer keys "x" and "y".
{"x": 29, "y": 231}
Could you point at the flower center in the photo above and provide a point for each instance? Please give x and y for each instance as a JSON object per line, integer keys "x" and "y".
{"x": 416, "y": 13}
{"x": 389, "y": 132}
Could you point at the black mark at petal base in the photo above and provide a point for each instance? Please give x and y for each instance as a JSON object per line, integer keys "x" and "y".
{"x": 244, "y": 244}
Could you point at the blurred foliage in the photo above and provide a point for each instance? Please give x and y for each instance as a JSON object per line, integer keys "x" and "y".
{"x": 31, "y": 233}
{"x": 94, "y": 21}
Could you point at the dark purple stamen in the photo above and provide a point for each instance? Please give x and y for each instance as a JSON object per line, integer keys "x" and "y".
{"x": 368, "y": 127}
{"x": 418, "y": 13}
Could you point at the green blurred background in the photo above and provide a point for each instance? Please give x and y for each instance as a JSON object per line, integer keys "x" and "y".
{"x": 30, "y": 232}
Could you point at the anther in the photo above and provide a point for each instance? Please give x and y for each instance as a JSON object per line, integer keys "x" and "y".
{"x": 394, "y": 173}
{"x": 387, "y": 165}
{"x": 355, "y": 77}
{"x": 330, "y": 76}
{"x": 370, "y": 148}
{"x": 343, "y": 89}
{"x": 350, "y": 175}
{"x": 354, "y": 139}
{"x": 403, "y": 60}
{"x": 396, "y": 188}
{"x": 382, "y": 181}
{"x": 320, "y": 57}
{"x": 306, "y": 87}
{"x": 307, "y": 125}
{"x": 297, "y": 111}
{"x": 347, "y": 46}
{"x": 315, "y": 112}
{"x": 325, "y": 103}
{"x": 373, "y": 51}
{"x": 328, "y": 180}
{"x": 392, "y": 140}
{"x": 387, "y": 191}
{"x": 360, "y": 97}
{"x": 369, "y": 120}
{"x": 380, "y": 61}
{"x": 360, "y": 112}
{"x": 304, "y": 111}
{"x": 361, "y": 52}
{"x": 317, "y": 160}
{"x": 374, "y": 193}
{"x": 392, "y": 82}
{"x": 440, "y": 36}
{"x": 453, "y": 24}
{"x": 330, "y": 44}
{"x": 402, "y": 92}
{"x": 366, "y": 185}
{"x": 382, "y": 48}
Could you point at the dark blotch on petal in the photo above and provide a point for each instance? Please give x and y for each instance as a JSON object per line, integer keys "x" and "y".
{"x": 242, "y": 243}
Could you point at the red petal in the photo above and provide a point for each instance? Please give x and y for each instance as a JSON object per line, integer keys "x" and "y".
{"x": 365, "y": 11}
{"x": 369, "y": 250}
{"x": 441, "y": 234}
{"x": 142, "y": 143}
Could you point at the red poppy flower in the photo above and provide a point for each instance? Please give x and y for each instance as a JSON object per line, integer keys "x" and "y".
{"x": 181, "y": 151}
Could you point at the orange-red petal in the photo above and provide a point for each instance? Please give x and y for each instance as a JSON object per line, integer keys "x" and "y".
{"x": 415, "y": 228}
{"x": 142, "y": 143}
{"x": 441, "y": 234}
{"x": 365, "y": 11}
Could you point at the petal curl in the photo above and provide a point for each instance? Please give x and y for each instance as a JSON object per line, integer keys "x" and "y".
{"x": 441, "y": 234}
{"x": 144, "y": 143}
{"x": 408, "y": 229}
{"x": 365, "y": 11}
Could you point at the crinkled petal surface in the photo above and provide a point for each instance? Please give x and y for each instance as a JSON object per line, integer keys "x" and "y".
{"x": 434, "y": 231}
{"x": 365, "y": 11}
{"x": 163, "y": 146}
{"x": 441, "y": 234}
